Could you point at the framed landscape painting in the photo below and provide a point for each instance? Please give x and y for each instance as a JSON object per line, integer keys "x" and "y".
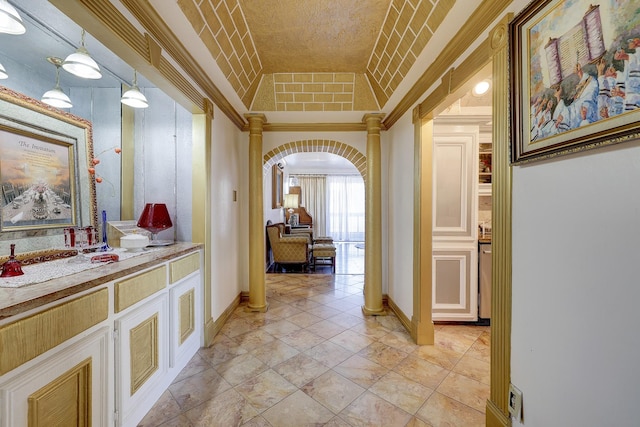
{"x": 575, "y": 76}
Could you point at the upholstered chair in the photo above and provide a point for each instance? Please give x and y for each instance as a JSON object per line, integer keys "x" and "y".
{"x": 288, "y": 250}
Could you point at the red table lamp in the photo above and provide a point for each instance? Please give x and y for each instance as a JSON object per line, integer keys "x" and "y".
{"x": 155, "y": 218}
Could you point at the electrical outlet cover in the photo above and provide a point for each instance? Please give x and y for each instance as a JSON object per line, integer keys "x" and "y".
{"x": 515, "y": 402}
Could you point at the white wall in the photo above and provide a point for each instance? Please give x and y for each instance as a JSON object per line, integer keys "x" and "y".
{"x": 576, "y": 263}
{"x": 400, "y": 142}
{"x": 229, "y": 249}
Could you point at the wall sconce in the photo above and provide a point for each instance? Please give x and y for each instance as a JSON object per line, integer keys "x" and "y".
{"x": 10, "y": 21}
{"x": 133, "y": 97}
{"x": 155, "y": 218}
{"x": 81, "y": 64}
{"x": 290, "y": 203}
{"x": 56, "y": 97}
{"x": 3, "y": 73}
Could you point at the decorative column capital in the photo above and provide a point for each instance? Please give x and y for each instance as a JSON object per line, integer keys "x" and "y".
{"x": 208, "y": 108}
{"x": 256, "y": 122}
{"x": 373, "y": 122}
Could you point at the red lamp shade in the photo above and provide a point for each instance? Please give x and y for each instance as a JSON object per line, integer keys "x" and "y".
{"x": 155, "y": 218}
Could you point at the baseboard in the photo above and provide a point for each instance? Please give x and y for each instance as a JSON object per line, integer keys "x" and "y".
{"x": 399, "y": 313}
{"x": 495, "y": 417}
{"x": 213, "y": 328}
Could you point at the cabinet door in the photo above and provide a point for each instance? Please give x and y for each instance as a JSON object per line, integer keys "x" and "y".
{"x": 186, "y": 323}
{"x": 141, "y": 359}
{"x": 455, "y": 290}
{"x": 67, "y": 386}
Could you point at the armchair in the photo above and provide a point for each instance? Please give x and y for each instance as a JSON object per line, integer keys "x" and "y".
{"x": 287, "y": 249}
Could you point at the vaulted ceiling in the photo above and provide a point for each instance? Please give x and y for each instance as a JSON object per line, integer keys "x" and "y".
{"x": 310, "y": 55}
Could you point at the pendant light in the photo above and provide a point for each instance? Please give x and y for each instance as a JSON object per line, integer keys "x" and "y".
{"x": 10, "y": 21}
{"x": 3, "y": 73}
{"x": 56, "y": 97}
{"x": 133, "y": 97}
{"x": 81, "y": 64}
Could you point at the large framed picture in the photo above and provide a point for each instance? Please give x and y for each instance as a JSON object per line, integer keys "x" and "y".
{"x": 575, "y": 76}
{"x": 277, "y": 187}
{"x": 45, "y": 179}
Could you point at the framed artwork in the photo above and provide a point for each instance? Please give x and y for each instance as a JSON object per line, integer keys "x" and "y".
{"x": 575, "y": 76}
{"x": 45, "y": 181}
{"x": 277, "y": 187}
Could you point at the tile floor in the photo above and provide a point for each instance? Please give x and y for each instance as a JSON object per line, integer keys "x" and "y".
{"x": 313, "y": 359}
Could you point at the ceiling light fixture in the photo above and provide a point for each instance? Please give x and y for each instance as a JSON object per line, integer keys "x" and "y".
{"x": 133, "y": 97}
{"x": 10, "y": 21}
{"x": 56, "y": 97}
{"x": 81, "y": 64}
{"x": 481, "y": 88}
{"x": 3, "y": 73}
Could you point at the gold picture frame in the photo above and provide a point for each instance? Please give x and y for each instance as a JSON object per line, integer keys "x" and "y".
{"x": 277, "y": 189}
{"x": 45, "y": 182}
{"x": 570, "y": 80}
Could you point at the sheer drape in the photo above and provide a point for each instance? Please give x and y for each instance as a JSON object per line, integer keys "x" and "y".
{"x": 314, "y": 197}
{"x": 345, "y": 207}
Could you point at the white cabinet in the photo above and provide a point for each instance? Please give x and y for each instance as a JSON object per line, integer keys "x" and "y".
{"x": 105, "y": 356}
{"x": 455, "y": 196}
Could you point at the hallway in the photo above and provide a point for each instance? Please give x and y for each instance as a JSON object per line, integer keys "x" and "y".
{"x": 313, "y": 359}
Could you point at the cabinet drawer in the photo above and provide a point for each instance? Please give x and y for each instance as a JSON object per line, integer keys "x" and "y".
{"x": 34, "y": 335}
{"x": 137, "y": 288}
{"x": 183, "y": 267}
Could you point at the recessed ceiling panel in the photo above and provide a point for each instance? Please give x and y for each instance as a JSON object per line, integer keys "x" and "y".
{"x": 314, "y": 36}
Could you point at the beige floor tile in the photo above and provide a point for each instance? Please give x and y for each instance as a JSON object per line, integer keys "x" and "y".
{"x": 241, "y": 368}
{"x": 466, "y": 390}
{"x": 402, "y": 392}
{"x": 476, "y": 369}
{"x": 165, "y": 409}
{"x": 329, "y": 354}
{"x": 314, "y": 359}
{"x": 300, "y": 369}
{"x": 274, "y": 353}
{"x": 265, "y": 390}
{"x": 226, "y": 409}
{"x": 361, "y": 371}
{"x": 383, "y": 354}
{"x": 302, "y": 339}
{"x": 304, "y": 319}
{"x": 371, "y": 410}
{"x": 333, "y": 391}
{"x": 351, "y": 340}
{"x": 197, "y": 388}
{"x": 441, "y": 410}
{"x": 254, "y": 339}
{"x": 421, "y": 371}
{"x": 297, "y": 410}
{"x": 326, "y": 329}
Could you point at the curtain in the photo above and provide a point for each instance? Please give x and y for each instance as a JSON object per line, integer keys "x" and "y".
{"x": 314, "y": 197}
{"x": 345, "y": 207}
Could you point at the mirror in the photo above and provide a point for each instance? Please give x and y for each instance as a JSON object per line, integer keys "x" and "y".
{"x": 44, "y": 173}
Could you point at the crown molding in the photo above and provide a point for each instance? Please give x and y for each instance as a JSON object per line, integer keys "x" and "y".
{"x": 313, "y": 127}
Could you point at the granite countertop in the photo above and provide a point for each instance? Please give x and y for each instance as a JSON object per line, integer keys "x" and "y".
{"x": 53, "y": 286}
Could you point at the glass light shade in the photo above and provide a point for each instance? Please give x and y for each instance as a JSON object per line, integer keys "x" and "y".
{"x": 481, "y": 88}
{"x": 57, "y": 98}
{"x": 81, "y": 64}
{"x": 10, "y": 21}
{"x": 155, "y": 218}
{"x": 134, "y": 98}
{"x": 3, "y": 73}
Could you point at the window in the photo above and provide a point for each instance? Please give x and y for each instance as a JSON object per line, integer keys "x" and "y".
{"x": 345, "y": 207}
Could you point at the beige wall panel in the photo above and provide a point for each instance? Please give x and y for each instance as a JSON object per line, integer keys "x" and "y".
{"x": 183, "y": 267}
{"x": 66, "y": 401}
{"x": 143, "y": 352}
{"x": 137, "y": 288}
{"x": 186, "y": 314}
{"x": 34, "y": 335}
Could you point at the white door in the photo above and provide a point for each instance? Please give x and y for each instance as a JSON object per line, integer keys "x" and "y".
{"x": 455, "y": 244}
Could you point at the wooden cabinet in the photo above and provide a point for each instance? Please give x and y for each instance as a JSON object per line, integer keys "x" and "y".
{"x": 103, "y": 357}
{"x": 485, "y": 166}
